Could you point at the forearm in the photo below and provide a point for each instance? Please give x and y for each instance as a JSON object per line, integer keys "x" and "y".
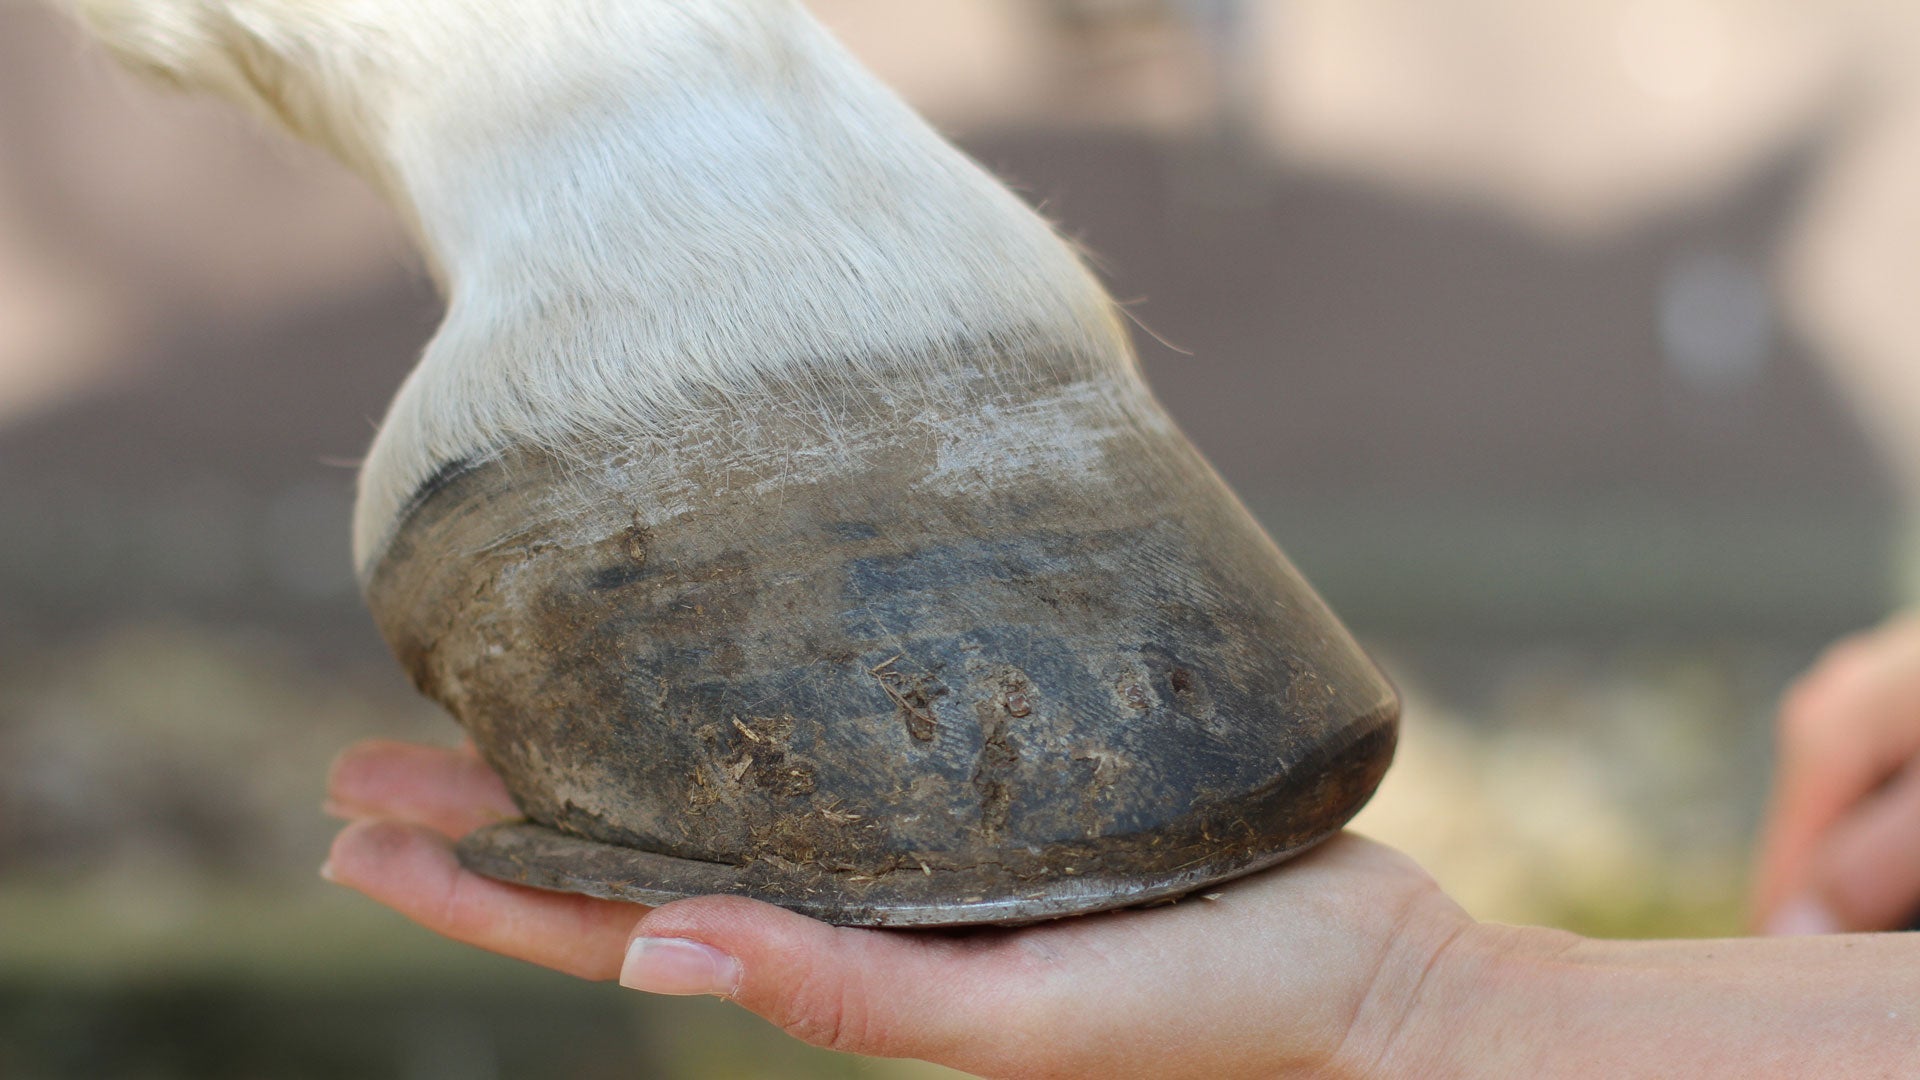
{"x": 1507, "y": 1001}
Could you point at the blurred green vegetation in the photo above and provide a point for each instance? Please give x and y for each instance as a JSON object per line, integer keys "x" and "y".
{"x": 160, "y": 914}
{"x": 220, "y": 980}
{"x": 161, "y": 917}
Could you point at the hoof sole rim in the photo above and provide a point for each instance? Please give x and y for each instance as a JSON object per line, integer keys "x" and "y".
{"x": 524, "y": 853}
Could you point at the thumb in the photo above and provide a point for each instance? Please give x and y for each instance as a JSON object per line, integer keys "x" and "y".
{"x": 961, "y": 1000}
{"x": 1866, "y": 875}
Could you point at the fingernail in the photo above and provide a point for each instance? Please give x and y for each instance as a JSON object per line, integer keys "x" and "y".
{"x": 1802, "y": 916}
{"x": 334, "y": 808}
{"x": 680, "y": 967}
{"x": 326, "y": 872}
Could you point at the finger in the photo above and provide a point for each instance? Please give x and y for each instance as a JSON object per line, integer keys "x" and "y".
{"x": 886, "y": 993}
{"x": 1868, "y": 871}
{"x": 1810, "y": 797}
{"x": 1844, "y": 729}
{"x": 1823, "y": 765}
{"x": 412, "y": 869}
{"x": 448, "y": 790}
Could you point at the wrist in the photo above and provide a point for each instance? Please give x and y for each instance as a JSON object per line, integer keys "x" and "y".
{"x": 1454, "y": 997}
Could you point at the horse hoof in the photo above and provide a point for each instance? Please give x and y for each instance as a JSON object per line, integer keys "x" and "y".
{"x": 992, "y": 653}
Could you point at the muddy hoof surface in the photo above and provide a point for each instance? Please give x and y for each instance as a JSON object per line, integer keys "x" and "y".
{"x": 917, "y": 682}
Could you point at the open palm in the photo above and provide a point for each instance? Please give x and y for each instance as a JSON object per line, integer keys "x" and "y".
{"x": 1279, "y": 971}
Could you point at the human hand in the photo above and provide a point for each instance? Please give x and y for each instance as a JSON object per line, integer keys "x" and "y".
{"x": 1311, "y": 968}
{"x": 1841, "y": 848}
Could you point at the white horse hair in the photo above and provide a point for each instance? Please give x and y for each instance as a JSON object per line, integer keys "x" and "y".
{"x": 633, "y": 206}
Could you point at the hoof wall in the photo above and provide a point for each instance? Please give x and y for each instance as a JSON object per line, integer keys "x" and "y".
{"x": 524, "y": 853}
{"x": 916, "y": 685}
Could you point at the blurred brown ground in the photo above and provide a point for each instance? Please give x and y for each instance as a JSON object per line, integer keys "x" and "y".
{"x": 1517, "y": 327}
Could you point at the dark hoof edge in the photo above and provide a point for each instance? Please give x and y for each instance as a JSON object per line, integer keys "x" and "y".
{"x": 1209, "y": 846}
{"x": 527, "y": 854}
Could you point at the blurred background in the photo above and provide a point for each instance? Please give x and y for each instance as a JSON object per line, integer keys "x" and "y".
{"x": 1571, "y": 349}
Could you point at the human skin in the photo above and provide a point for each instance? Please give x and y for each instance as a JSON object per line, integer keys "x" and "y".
{"x": 1841, "y": 849}
{"x": 1346, "y": 962}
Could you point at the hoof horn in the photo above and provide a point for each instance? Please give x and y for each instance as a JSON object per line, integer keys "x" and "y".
{"x": 990, "y": 655}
